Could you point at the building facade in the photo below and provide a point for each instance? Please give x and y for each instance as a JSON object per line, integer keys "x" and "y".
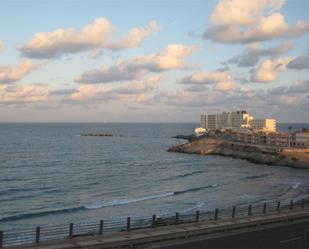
{"x": 226, "y": 120}
{"x": 263, "y": 124}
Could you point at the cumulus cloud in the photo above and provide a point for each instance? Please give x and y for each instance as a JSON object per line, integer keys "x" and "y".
{"x": 288, "y": 98}
{"x": 91, "y": 94}
{"x": 14, "y": 94}
{"x": 11, "y": 74}
{"x": 86, "y": 92}
{"x": 238, "y": 21}
{"x": 251, "y": 56}
{"x": 269, "y": 69}
{"x": 134, "y": 37}
{"x": 140, "y": 86}
{"x": 172, "y": 57}
{"x": 91, "y": 37}
{"x": 222, "y": 81}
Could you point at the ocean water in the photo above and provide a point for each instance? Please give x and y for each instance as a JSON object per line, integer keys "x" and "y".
{"x": 49, "y": 174}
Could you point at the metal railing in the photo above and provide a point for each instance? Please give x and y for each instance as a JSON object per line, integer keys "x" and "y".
{"x": 58, "y": 232}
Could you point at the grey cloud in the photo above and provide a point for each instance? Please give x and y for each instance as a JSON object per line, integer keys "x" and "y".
{"x": 66, "y": 91}
{"x": 244, "y": 60}
{"x": 299, "y": 63}
{"x": 114, "y": 73}
{"x": 298, "y": 88}
{"x": 251, "y": 56}
{"x": 197, "y": 88}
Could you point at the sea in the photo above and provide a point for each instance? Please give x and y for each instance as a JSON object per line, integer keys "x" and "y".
{"x": 51, "y": 175}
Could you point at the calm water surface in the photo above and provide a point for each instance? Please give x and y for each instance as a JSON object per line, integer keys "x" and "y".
{"x": 52, "y": 175}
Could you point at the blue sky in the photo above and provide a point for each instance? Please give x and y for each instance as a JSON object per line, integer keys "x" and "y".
{"x": 153, "y": 61}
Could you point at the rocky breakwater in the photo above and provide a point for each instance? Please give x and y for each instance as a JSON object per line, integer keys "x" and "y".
{"x": 260, "y": 154}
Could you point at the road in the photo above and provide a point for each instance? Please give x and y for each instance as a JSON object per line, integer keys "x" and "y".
{"x": 286, "y": 235}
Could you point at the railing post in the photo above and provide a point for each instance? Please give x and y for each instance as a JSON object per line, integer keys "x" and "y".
{"x": 291, "y": 204}
{"x": 101, "y": 227}
{"x": 250, "y": 210}
{"x": 1, "y": 239}
{"x": 216, "y": 213}
{"x": 71, "y": 230}
{"x": 264, "y": 208}
{"x": 303, "y": 203}
{"x": 233, "y": 212}
{"x": 153, "y": 223}
{"x": 128, "y": 224}
{"x": 197, "y": 216}
{"x": 278, "y": 206}
{"x": 37, "y": 234}
{"x": 176, "y": 217}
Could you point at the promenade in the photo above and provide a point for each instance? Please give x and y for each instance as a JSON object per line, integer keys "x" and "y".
{"x": 182, "y": 233}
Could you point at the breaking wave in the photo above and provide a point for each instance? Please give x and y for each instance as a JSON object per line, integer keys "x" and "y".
{"x": 118, "y": 202}
{"x": 184, "y": 175}
{"x": 103, "y": 204}
{"x": 256, "y": 176}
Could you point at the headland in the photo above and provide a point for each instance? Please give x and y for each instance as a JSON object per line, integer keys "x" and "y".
{"x": 238, "y": 134}
{"x": 256, "y": 153}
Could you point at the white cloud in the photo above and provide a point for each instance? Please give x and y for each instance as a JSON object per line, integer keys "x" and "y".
{"x": 134, "y": 37}
{"x": 91, "y": 94}
{"x": 239, "y": 21}
{"x": 225, "y": 86}
{"x": 14, "y": 94}
{"x": 269, "y": 69}
{"x": 91, "y": 37}
{"x": 222, "y": 81}
{"x": 11, "y": 74}
{"x": 140, "y": 86}
{"x": 241, "y": 12}
{"x": 172, "y": 57}
{"x": 86, "y": 92}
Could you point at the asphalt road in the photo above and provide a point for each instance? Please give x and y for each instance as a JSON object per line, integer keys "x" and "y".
{"x": 287, "y": 235}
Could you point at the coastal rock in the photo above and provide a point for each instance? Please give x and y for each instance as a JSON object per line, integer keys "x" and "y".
{"x": 254, "y": 153}
{"x": 190, "y": 138}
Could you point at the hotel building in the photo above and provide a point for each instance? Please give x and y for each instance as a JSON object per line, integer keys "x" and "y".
{"x": 236, "y": 119}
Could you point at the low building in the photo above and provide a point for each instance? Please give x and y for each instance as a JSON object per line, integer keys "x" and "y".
{"x": 263, "y": 124}
{"x": 302, "y": 139}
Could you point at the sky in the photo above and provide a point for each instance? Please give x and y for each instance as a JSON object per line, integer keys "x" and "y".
{"x": 153, "y": 61}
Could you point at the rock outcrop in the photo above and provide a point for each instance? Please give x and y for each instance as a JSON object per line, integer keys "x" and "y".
{"x": 254, "y": 153}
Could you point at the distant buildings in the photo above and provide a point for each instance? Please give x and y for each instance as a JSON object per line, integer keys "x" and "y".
{"x": 240, "y": 126}
{"x": 236, "y": 119}
{"x": 299, "y": 139}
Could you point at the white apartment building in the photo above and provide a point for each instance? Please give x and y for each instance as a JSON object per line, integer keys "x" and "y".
{"x": 263, "y": 124}
{"x": 236, "y": 119}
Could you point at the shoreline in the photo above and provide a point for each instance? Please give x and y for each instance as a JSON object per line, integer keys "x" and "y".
{"x": 259, "y": 154}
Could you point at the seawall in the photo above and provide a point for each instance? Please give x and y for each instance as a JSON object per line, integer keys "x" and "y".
{"x": 254, "y": 153}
